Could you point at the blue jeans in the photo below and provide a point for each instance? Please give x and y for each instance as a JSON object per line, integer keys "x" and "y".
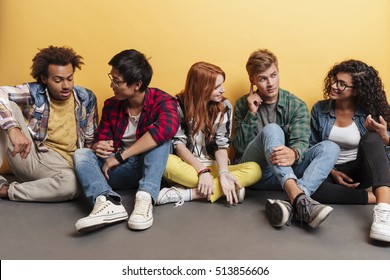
{"x": 309, "y": 174}
{"x": 143, "y": 171}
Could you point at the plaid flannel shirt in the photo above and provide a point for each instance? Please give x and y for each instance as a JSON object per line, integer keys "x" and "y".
{"x": 33, "y": 100}
{"x": 158, "y": 116}
{"x": 292, "y": 116}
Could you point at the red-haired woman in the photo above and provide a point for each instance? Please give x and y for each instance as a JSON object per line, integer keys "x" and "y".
{"x": 199, "y": 166}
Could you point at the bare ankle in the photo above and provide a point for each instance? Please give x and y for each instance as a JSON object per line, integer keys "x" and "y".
{"x": 4, "y": 191}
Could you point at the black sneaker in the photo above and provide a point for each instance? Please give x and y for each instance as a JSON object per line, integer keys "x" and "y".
{"x": 310, "y": 211}
{"x": 278, "y": 212}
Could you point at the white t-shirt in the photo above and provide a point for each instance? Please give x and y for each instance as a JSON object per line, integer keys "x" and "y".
{"x": 348, "y": 140}
{"x": 128, "y": 138}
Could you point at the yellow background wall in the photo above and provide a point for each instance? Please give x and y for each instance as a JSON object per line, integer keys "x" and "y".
{"x": 308, "y": 36}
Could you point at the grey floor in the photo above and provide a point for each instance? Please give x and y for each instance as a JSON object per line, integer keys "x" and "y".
{"x": 196, "y": 230}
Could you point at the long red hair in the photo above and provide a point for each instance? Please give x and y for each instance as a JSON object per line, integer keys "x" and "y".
{"x": 198, "y": 108}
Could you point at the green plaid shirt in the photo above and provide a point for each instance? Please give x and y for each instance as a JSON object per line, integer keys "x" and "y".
{"x": 292, "y": 116}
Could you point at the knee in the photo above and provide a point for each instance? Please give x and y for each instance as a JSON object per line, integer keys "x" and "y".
{"x": 330, "y": 146}
{"x": 68, "y": 187}
{"x": 83, "y": 154}
{"x": 255, "y": 170}
{"x": 371, "y": 139}
{"x": 271, "y": 129}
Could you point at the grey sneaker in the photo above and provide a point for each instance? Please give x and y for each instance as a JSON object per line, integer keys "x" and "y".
{"x": 310, "y": 211}
{"x": 380, "y": 229}
{"x": 142, "y": 216}
{"x": 278, "y": 212}
{"x": 104, "y": 213}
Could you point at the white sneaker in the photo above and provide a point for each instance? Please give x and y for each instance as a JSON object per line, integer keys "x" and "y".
{"x": 240, "y": 195}
{"x": 104, "y": 212}
{"x": 142, "y": 215}
{"x": 380, "y": 229}
{"x": 177, "y": 195}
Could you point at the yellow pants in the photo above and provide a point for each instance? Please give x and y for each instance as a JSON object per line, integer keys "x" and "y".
{"x": 184, "y": 174}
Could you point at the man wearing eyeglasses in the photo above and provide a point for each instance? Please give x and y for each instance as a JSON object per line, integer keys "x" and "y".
{"x": 131, "y": 146}
{"x": 42, "y": 124}
{"x": 272, "y": 129}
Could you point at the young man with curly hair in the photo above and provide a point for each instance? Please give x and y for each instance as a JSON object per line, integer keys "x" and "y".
{"x": 42, "y": 124}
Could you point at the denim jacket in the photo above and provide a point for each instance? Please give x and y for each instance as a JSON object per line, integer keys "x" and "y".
{"x": 33, "y": 99}
{"x": 323, "y": 119}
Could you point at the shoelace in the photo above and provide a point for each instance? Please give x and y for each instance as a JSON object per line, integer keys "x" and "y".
{"x": 141, "y": 207}
{"x": 305, "y": 209}
{"x": 381, "y": 215}
{"x": 171, "y": 198}
{"x": 100, "y": 206}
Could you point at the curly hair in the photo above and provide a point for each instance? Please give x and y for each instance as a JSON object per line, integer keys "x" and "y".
{"x": 367, "y": 87}
{"x": 199, "y": 86}
{"x": 54, "y": 55}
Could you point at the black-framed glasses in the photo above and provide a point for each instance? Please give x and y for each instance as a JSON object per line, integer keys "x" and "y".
{"x": 341, "y": 85}
{"x": 115, "y": 83}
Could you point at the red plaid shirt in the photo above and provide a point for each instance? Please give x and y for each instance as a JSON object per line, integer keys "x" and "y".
{"x": 158, "y": 116}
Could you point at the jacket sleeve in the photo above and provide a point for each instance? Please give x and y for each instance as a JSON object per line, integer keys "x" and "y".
{"x": 315, "y": 136}
{"x": 92, "y": 119}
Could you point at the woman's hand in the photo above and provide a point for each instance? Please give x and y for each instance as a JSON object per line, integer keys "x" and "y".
{"x": 380, "y": 128}
{"x": 228, "y": 184}
{"x": 206, "y": 185}
{"x": 342, "y": 179}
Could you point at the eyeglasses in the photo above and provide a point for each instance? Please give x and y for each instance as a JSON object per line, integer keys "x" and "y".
{"x": 115, "y": 83}
{"x": 341, "y": 86}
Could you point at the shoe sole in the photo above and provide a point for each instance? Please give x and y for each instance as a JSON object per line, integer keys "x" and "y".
{"x": 321, "y": 217}
{"x": 276, "y": 214}
{"x": 106, "y": 222}
{"x": 140, "y": 226}
{"x": 380, "y": 237}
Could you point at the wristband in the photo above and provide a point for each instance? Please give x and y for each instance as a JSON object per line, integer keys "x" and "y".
{"x": 223, "y": 171}
{"x": 206, "y": 170}
{"x": 118, "y": 157}
{"x": 296, "y": 154}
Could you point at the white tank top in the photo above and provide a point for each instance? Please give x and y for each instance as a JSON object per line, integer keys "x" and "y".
{"x": 348, "y": 140}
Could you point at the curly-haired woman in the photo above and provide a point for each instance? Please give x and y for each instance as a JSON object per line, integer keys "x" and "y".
{"x": 356, "y": 115}
{"x": 200, "y": 164}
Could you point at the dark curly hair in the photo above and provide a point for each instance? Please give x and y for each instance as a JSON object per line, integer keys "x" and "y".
{"x": 54, "y": 55}
{"x": 367, "y": 87}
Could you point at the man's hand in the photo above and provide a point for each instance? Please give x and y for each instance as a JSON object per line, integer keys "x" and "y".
{"x": 104, "y": 149}
{"x": 282, "y": 156}
{"x": 22, "y": 145}
{"x": 110, "y": 163}
{"x": 254, "y": 100}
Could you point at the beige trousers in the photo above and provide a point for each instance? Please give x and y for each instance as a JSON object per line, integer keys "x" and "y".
{"x": 44, "y": 176}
